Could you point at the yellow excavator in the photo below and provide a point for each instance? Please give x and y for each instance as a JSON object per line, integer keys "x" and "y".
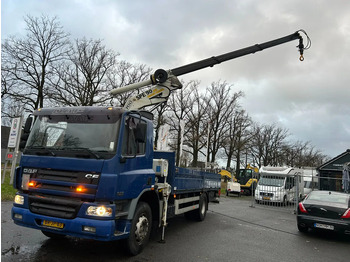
{"x": 248, "y": 178}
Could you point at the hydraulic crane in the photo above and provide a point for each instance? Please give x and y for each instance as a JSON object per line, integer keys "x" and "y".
{"x": 164, "y": 82}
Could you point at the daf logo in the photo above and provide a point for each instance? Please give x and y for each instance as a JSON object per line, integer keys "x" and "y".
{"x": 30, "y": 170}
{"x": 91, "y": 176}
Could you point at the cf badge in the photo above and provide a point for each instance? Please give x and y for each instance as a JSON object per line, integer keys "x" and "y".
{"x": 91, "y": 176}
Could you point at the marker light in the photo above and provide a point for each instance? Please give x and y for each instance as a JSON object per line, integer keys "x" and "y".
{"x": 100, "y": 211}
{"x": 31, "y": 184}
{"x": 19, "y": 199}
{"x": 80, "y": 189}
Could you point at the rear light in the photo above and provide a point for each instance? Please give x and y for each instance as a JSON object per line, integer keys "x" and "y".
{"x": 302, "y": 208}
{"x": 346, "y": 214}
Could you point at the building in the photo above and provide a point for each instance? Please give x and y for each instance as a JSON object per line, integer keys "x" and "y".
{"x": 331, "y": 172}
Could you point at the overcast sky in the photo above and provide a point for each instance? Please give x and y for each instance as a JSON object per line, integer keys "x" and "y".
{"x": 311, "y": 98}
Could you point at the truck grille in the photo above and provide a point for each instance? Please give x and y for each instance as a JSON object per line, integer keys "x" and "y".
{"x": 54, "y": 206}
{"x": 60, "y": 193}
{"x": 266, "y": 194}
{"x": 62, "y": 176}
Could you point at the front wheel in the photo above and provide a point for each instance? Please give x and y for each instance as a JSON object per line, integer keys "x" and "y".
{"x": 140, "y": 229}
{"x": 284, "y": 203}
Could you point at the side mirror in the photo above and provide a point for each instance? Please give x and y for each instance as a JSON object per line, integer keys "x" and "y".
{"x": 28, "y": 124}
{"x": 26, "y": 131}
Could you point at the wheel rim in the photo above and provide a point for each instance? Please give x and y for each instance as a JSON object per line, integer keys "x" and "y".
{"x": 142, "y": 227}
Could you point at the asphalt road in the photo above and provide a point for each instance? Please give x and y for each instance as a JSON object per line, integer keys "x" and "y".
{"x": 232, "y": 231}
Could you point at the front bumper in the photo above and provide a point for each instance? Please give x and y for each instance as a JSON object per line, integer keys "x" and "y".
{"x": 276, "y": 197}
{"x": 338, "y": 225}
{"x": 106, "y": 230}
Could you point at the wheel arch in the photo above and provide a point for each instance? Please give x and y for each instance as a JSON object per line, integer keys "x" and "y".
{"x": 151, "y": 198}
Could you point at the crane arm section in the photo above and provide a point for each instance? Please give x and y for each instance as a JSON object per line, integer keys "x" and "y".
{"x": 210, "y": 62}
{"x": 164, "y": 82}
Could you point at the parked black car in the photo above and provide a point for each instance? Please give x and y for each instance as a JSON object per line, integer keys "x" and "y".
{"x": 327, "y": 210}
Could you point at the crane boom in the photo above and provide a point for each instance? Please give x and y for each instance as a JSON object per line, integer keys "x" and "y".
{"x": 210, "y": 62}
{"x": 164, "y": 82}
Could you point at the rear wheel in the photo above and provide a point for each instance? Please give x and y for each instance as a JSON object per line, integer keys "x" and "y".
{"x": 202, "y": 211}
{"x": 302, "y": 229}
{"x": 140, "y": 229}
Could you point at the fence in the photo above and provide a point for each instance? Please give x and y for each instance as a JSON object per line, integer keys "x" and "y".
{"x": 284, "y": 193}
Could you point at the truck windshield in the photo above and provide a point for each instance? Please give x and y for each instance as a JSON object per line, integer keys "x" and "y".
{"x": 271, "y": 181}
{"x": 71, "y": 137}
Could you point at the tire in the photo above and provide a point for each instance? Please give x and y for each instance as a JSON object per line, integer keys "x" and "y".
{"x": 53, "y": 235}
{"x": 302, "y": 229}
{"x": 140, "y": 229}
{"x": 284, "y": 203}
{"x": 200, "y": 213}
{"x": 203, "y": 207}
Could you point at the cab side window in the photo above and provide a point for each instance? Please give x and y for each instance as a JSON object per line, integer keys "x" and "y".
{"x": 134, "y": 139}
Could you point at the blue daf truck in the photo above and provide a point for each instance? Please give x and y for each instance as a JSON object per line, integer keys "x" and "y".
{"x": 92, "y": 172}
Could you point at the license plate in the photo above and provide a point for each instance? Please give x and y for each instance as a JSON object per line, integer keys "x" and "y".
{"x": 323, "y": 226}
{"x": 266, "y": 198}
{"x": 53, "y": 224}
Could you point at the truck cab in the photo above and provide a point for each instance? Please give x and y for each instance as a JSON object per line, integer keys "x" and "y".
{"x": 85, "y": 164}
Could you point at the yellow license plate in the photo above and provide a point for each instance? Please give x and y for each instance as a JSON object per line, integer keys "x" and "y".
{"x": 266, "y": 198}
{"x": 53, "y": 224}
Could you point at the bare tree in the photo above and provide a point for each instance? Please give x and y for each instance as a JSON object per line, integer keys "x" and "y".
{"x": 179, "y": 107}
{"x": 125, "y": 73}
{"x": 237, "y": 137}
{"x": 222, "y": 104}
{"x": 303, "y": 154}
{"x": 197, "y": 119}
{"x": 28, "y": 61}
{"x": 267, "y": 144}
{"x": 82, "y": 80}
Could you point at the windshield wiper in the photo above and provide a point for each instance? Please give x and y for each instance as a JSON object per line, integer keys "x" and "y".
{"x": 86, "y": 150}
{"x": 45, "y": 150}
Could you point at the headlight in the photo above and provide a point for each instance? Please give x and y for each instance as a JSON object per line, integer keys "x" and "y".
{"x": 19, "y": 199}
{"x": 100, "y": 211}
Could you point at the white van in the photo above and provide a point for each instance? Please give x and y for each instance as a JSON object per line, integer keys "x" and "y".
{"x": 279, "y": 185}
{"x": 310, "y": 180}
